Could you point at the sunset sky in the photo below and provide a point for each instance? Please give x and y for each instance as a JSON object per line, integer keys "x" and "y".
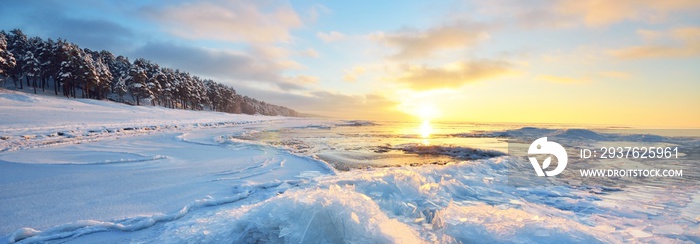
{"x": 621, "y": 62}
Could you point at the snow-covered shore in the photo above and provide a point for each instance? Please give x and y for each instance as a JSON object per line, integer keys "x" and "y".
{"x": 147, "y": 174}
{"x": 76, "y": 166}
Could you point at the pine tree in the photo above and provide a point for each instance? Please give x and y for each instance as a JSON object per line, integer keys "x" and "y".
{"x": 7, "y": 60}
{"x": 67, "y": 73}
{"x": 48, "y": 66}
{"x": 100, "y": 74}
{"x": 104, "y": 76}
{"x": 119, "y": 67}
{"x": 137, "y": 80}
{"x": 17, "y": 44}
{"x": 31, "y": 64}
{"x": 168, "y": 87}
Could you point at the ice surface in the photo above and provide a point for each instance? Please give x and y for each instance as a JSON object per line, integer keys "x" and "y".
{"x": 464, "y": 153}
{"x": 48, "y": 156}
{"x": 465, "y": 202}
{"x": 332, "y": 215}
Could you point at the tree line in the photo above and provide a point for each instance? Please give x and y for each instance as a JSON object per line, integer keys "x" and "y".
{"x": 74, "y": 72}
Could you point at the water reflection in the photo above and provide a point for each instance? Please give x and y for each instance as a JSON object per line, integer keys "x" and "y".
{"x": 379, "y": 144}
{"x": 425, "y": 131}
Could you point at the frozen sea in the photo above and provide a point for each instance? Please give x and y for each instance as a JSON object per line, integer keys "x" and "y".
{"x": 154, "y": 175}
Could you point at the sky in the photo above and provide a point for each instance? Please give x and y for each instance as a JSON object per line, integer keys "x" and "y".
{"x": 625, "y": 62}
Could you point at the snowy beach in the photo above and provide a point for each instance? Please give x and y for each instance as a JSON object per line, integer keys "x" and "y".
{"x": 86, "y": 171}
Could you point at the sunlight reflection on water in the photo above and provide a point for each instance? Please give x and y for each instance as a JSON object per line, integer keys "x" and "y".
{"x": 381, "y": 144}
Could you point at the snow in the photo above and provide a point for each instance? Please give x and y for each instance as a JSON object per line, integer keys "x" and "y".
{"x": 109, "y": 166}
{"x": 116, "y": 173}
{"x": 95, "y": 190}
{"x": 57, "y": 120}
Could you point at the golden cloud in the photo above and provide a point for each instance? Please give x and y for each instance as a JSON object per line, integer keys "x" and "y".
{"x": 351, "y": 75}
{"x": 615, "y": 74}
{"x": 678, "y": 42}
{"x": 309, "y": 52}
{"x": 265, "y": 22}
{"x": 416, "y": 44}
{"x": 561, "y": 79}
{"x": 591, "y": 13}
{"x": 452, "y": 75}
{"x": 601, "y": 13}
{"x": 302, "y": 80}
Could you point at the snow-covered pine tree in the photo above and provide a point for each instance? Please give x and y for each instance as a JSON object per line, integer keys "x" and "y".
{"x": 70, "y": 72}
{"x": 99, "y": 74}
{"x": 104, "y": 76}
{"x": 119, "y": 67}
{"x": 7, "y": 60}
{"x": 31, "y": 63}
{"x": 137, "y": 80}
{"x": 48, "y": 66}
{"x": 168, "y": 87}
{"x": 17, "y": 44}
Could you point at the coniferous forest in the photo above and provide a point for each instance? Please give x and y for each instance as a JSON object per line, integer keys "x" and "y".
{"x": 68, "y": 70}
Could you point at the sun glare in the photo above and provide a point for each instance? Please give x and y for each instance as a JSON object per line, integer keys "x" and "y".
{"x": 426, "y": 112}
{"x": 426, "y": 129}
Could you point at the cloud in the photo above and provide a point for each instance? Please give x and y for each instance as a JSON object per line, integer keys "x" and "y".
{"x": 615, "y": 74}
{"x": 452, "y": 75}
{"x": 656, "y": 51}
{"x": 678, "y": 42}
{"x": 309, "y": 52}
{"x": 256, "y": 65}
{"x": 649, "y": 35}
{"x": 332, "y": 104}
{"x": 590, "y": 13}
{"x": 315, "y": 11}
{"x": 235, "y": 21}
{"x": 689, "y": 34}
{"x": 416, "y": 44}
{"x": 54, "y": 19}
{"x": 95, "y": 34}
{"x": 561, "y": 79}
{"x": 351, "y": 74}
{"x": 596, "y": 13}
{"x": 331, "y": 36}
{"x": 298, "y": 81}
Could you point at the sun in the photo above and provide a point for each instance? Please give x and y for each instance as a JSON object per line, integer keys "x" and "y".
{"x": 426, "y": 111}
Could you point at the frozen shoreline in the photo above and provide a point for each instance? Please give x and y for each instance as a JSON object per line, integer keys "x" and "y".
{"x": 182, "y": 176}
{"x": 76, "y": 166}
